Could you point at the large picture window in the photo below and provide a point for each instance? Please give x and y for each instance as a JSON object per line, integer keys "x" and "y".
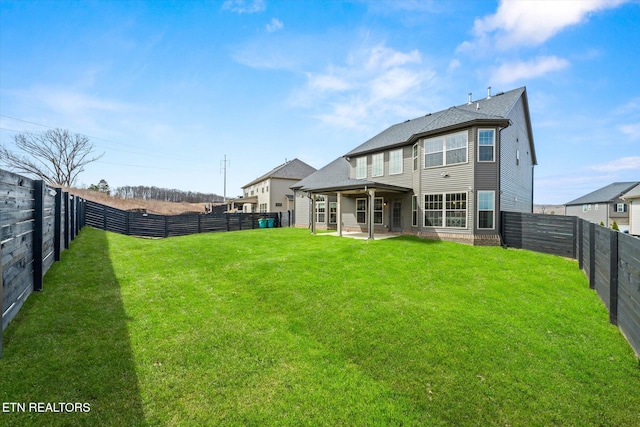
{"x": 377, "y": 164}
{"x": 486, "y": 145}
{"x": 361, "y": 167}
{"x": 445, "y": 150}
{"x": 445, "y": 210}
{"x": 395, "y": 162}
{"x": 361, "y": 211}
{"x": 486, "y": 209}
{"x": 378, "y": 209}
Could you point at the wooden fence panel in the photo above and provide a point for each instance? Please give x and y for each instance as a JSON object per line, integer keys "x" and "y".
{"x": 541, "y": 233}
{"x": 33, "y": 230}
{"x": 602, "y": 265}
{"x": 629, "y": 289}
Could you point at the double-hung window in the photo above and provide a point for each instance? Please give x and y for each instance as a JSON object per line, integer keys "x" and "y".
{"x": 395, "y": 162}
{"x": 377, "y": 164}
{"x": 456, "y": 210}
{"x": 486, "y": 145}
{"x": 433, "y": 210}
{"x": 445, "y": 150}
{"x": 361, "y": 211}
{"x": 320, "y": 212}
{"x": 361, "y": 167}
{"x": 486, "y": 209}
{"x": 378, "y": 206}
{"x": 621, "y": 207}
{"x": 333, "y": 212}
{"x": 414, "y": 211}
{"x": 415, "y": 156}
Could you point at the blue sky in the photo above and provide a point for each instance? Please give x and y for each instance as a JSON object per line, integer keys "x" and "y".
{"x": 166, "y": 89}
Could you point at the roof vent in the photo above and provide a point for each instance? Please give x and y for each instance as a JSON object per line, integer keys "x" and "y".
{"x": 489, "y": 92}
{"x": 477, "y": 105}
{"x": 469, "y": 103}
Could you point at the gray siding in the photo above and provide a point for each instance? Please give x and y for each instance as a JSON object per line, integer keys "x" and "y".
{"x": 458, "y": 179}
{"x": 487, "y": 179}
{"x": 516, "y": 178}
{"x": 302, "y": 207}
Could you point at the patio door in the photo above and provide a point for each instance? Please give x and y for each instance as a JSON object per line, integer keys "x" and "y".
{"x": 396, "y": 215}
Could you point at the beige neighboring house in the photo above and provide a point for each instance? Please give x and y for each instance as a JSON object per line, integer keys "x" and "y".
{"x": 604, "y": 205}
{"x": 632, "y": 197}
{"x": 271, "y": 192}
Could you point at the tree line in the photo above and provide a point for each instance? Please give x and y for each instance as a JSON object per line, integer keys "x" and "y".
{"x": 164, "y": 194}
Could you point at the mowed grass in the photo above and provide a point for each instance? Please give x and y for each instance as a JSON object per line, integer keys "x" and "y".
{"x": 279, "y": 327}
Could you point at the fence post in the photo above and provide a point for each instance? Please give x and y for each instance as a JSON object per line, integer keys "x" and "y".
{"x": 166, "y": 227}
{"x": 227, "y": 215}
{"x": 592, "y": 255}
{"x": 57, "y": 226}
{"x": 127, "y": 221}
{"x": 72, "y": 217}
{"x": 104, "y": 217}
{"x": 38, "y": 221}
{"x": 580, "y": 253}
{"x": 613, "y": 278}
{"x": 67, "y": 220}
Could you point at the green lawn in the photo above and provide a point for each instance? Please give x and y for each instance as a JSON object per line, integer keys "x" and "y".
{"x": 279, "y": 327}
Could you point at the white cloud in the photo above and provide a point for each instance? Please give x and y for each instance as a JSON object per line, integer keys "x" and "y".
{"x": 243, "y": 6}
{"x": 375, "y": 84}
{"x": 531, "y": 23}
{"x": 514, "y": 71}
{"x": 631, "y": 130}
{"x": 274, "y": 25}
{"x": 624, "y": 163}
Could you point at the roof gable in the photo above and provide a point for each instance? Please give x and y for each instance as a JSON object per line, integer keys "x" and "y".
{"x": 495, "y": 108}
{"x": 293, "y": 169}
{"x": 605, "y": 194}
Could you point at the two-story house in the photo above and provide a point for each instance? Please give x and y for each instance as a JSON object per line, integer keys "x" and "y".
{"x": 446, "y": 175}
{"x": 604, "y": 205}
{"x": 271, "y": 192}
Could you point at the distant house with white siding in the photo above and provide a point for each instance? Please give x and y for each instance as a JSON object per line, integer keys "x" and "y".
{"x": 271, "y": 192}
{"x": 445, "y": 176}
{"x": 604, "y": 205}
{"x": 632, "y": 197}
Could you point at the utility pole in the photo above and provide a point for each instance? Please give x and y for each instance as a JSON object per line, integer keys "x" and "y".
{"x": 223, "y": 167}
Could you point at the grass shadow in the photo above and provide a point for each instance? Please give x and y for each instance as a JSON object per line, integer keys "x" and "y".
{"x": 70, "y": 344}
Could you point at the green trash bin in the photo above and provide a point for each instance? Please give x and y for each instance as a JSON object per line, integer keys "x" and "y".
{"x": 262, "y": 223}
{"x": 270, "y": 222}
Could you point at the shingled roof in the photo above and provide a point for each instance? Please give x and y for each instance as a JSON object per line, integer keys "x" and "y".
{"x": 293, "y": 169}
{"x": 605, "y": 194}
{"x": 490, "y": 109}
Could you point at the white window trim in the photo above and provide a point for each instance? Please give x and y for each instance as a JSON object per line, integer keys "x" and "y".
{"x": 444, "y": 211}
{"x": 381, "y": 210}
{"x": 415, "y": 152}
{"x": 377, "y": 165}
{"x": 493, "y": 221}
{"x": 493, "y": 146}
{"x": 360, "y": 160}
{"x": 444, "y": 150}
{"x": 333, "y": 205}
{"x": 318, "y": 213}
{"x": 365, "y": 211}
{"x": 414, "y": 211}
{"x": 401, "y": 166}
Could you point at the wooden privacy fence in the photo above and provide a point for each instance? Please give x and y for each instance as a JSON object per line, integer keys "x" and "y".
{"x": 151, "y": 225}
{"x": 610, "y": 260}
{"x": 37, "y": 222}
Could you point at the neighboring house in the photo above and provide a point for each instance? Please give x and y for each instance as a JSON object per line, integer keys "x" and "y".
{"x": 632, "y": 197}
{"x": 271, "y": 192}
{"x": 604, "y": 205}
{"x": 445, "y": 176}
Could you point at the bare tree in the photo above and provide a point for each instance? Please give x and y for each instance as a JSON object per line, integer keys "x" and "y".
{"x": 56, "y": 156}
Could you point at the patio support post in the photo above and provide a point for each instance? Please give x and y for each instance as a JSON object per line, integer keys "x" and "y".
{"x": 372, "y": 195}
{"x": 339, "y": 213}
{"x": 313, "y": 214}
